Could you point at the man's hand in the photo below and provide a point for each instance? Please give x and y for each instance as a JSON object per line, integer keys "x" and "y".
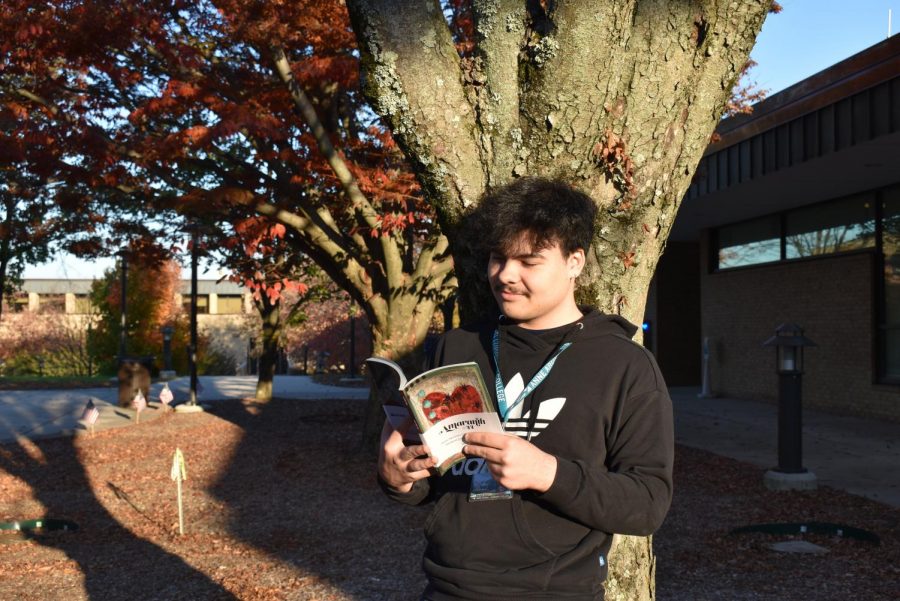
{"x": 515, "y": 463}
{"x": 398, "y": 464}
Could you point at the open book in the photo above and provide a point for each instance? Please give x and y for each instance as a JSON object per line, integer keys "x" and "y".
{"x": 445, "y": 403}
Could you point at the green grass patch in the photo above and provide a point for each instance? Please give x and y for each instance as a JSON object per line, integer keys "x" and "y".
{"x": 38, "y": 382}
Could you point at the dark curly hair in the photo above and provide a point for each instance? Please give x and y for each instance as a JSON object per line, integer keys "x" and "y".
{"x": 546, "y": 211}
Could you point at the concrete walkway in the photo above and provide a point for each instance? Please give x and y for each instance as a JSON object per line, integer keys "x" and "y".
{"x": 46, "y": 413}
{"x": 860, "y": 456}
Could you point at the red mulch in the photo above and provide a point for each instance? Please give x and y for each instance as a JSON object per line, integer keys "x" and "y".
{"x": 280, "y": 505}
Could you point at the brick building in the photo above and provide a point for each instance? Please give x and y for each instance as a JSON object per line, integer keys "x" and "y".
{"x": 222, "y": 308}
{"x": 794, "y": 216}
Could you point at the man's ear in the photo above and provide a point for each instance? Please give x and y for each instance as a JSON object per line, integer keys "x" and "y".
{"x": 575, "y": 262}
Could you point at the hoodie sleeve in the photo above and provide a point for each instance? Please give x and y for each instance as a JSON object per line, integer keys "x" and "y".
{"x": 418, "y": 494}
{"x": 631, "y": 491}
{"x": 421, "y": 490}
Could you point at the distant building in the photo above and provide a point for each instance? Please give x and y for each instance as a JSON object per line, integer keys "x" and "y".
{"x": 222, "y": 308}
{"x": 794, "y": 216}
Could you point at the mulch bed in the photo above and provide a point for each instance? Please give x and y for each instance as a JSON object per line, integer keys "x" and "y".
{"x": 281, "y": 505}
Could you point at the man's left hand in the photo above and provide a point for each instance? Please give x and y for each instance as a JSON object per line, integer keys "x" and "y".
{"x": 515, "y": 463}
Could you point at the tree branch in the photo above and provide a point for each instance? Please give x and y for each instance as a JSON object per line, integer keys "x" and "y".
{"x": 413, "y": 80}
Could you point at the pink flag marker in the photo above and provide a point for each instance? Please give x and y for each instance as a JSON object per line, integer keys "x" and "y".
{"x": 166, "y": 396}
{"x": 90, "y": 415}
{"x": 140, "y": 403}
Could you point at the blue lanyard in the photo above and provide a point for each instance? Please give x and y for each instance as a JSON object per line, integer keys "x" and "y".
{"x": 534, "y": 383}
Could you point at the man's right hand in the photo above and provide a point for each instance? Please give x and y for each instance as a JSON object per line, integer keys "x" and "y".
{"x": 399, "y": 465}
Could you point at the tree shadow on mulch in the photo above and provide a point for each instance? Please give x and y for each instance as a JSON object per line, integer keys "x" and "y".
{"x": 102, "y": 547}
{"x": 299, "y": 461}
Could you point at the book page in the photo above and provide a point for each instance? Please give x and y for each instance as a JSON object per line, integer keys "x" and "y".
{"x": 445, "y": 438}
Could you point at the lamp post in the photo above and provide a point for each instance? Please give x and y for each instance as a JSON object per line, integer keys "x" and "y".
{"x": 123, "y": 313}
{"x": 790, "y": 474}
{"x": 191, "y": 406}
{"x": 167, "y": 332}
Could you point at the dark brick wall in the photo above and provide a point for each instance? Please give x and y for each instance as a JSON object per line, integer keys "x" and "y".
{"x": 831, "y": 298}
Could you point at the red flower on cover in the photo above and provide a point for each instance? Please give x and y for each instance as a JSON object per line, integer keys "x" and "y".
{"x": 443, "y": 412}
{"x": 434, "y": 406}
{"x": 465, "y": 399}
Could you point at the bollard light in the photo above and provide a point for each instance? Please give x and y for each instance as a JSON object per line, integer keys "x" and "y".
{"x": 790, "y": 474}
{"x": 167, "y": 332}
{"x": 789, "y": 342}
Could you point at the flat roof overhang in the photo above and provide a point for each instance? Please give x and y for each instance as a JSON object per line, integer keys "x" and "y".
{"x": 830, "y": 135}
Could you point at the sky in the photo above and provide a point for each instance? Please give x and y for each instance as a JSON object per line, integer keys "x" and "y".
{"x": 804, "y": 38}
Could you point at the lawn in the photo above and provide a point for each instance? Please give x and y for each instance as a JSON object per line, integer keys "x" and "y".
{"x": 47, "y": 382}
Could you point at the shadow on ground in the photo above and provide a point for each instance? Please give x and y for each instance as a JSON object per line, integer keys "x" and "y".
{"x": 300, "y": 462}
{"x": 102, "y": 548}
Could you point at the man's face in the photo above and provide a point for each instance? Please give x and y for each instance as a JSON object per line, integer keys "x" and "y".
{"x": 535, "y": 288}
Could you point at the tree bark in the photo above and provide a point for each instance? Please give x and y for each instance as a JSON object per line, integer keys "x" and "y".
{"x": 271, "y": 338}
{"x": 617, "y": 98}
{"x": 398, "y": 334}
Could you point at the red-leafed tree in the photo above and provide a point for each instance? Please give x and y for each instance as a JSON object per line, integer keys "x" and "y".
{"x": 150, "y": 296}
{"x": 281, "y": 281}
{"x": 232, "y": 110}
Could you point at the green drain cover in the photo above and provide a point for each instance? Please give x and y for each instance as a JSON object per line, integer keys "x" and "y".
{"x": 15, "y": 531}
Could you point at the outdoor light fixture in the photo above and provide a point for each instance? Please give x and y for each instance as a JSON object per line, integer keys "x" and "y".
{"x": 789, "y": 342}
{"x": 167, "y": 332}
{"x": 790, "y": 474}
{"x": 191, "y": 406}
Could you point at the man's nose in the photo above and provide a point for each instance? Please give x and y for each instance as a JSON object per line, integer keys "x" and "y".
{"x": 507, "y": 272}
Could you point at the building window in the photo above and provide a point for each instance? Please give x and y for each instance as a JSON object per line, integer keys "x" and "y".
{"x": 18, "y": 302}
{"x": 827, "y": 228}
{"x": 230, "y": 304}
{"x": 202, "y": 303}
{"x": 890, "y": 313}
{"x": 833, "y": 227}
{"x": 749, "y": 243}
{"x": 83, "y": 305}
{"x": 52, "y": 303}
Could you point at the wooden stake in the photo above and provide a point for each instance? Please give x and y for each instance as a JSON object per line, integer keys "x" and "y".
{"x": 179, "y": 473}
{"x": 180, "y": 510}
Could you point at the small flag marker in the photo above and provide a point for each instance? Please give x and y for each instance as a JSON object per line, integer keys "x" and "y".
{"x": 139, "y": 403}
{"x": 166, "y": 396}
{"x": 179, "y": 473}
{"x": 90, "y": 415}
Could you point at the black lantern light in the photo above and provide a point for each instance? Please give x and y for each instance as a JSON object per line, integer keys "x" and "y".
{"x": 167, "y": 332}
{"x": 789, "y": 342}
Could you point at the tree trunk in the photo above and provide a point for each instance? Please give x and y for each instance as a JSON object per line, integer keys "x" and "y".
{"x": 398, "y": 334}
{"x": 617, "y": 98}
{"x": 2, "y": 284}
{"x": 632, "y": 569}
{"x": 4, "y": 253}
{"x": 271, "y": 339}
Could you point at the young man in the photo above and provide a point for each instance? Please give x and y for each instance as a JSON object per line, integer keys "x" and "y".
{"x": 589, "y": 443}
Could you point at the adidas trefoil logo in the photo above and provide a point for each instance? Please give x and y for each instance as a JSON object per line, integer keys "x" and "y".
{"x": 518, "y": 423}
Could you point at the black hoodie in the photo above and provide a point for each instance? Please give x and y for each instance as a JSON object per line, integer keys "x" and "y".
{"x": 604, "y": 412}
